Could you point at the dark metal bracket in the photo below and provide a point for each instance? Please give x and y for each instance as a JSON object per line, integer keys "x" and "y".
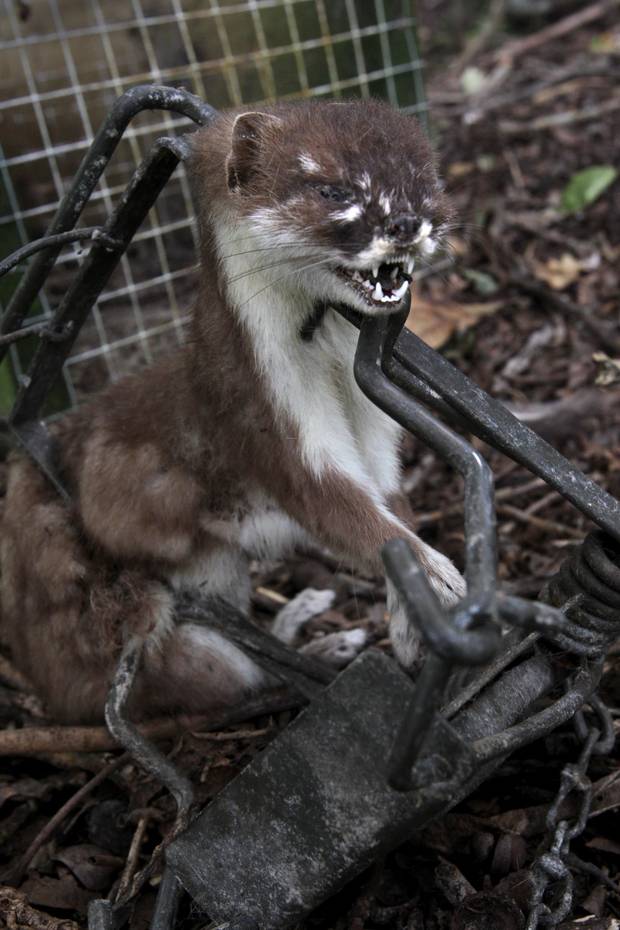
{"x": 351, "y": 777}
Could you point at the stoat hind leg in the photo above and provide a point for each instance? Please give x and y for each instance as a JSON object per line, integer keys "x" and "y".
{"x": 67, "y": 612}
{"x": 194, "y": 670}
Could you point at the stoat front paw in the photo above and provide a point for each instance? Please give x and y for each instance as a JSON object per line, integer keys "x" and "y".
{"x": 405, "y": 639}
{"x": 444, "y": 577}
{"x": 449, "y": 586}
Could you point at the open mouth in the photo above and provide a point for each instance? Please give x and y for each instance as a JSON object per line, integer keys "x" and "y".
{"x": 383, "y": 285}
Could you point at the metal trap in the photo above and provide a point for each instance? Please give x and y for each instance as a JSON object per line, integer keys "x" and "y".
{"x": 375, "y": 755}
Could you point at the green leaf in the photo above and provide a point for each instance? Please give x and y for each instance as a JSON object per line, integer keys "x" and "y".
{"x": 483, "y": 282}
{"x": 586, "y": 186}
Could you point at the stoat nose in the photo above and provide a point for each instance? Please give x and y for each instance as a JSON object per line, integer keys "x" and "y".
{"x": 403, "y": 227}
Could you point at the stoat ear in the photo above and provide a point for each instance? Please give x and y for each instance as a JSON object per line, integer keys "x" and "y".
{"x": 249, "y": 130}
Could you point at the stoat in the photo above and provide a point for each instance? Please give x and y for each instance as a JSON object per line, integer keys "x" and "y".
{"x": 252, "y": 438}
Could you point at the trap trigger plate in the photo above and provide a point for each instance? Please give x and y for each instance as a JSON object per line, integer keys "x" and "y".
{"x": 315, "y": 808}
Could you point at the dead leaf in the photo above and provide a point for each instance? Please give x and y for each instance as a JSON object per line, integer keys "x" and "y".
{"x": 437, "y": 321}
{"x": 595, "y": 902}
{"x": 604, "y": 845}
{"x": 606, "y": 794}
{"x": 608, "y": 369}
{"x": 460, "y": 168}
{"x": 92, "y": 866}
{"x": 487, "y": 909}
{"x": 559, "y": 273}
{"x": 36, "y": 788}
{"x": 63, "y": 894}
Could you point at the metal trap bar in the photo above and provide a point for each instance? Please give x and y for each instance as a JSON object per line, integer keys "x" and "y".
{"x": 396, "y": 370}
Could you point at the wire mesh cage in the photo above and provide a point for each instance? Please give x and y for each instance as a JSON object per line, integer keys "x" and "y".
{"x": 64, "y": 63}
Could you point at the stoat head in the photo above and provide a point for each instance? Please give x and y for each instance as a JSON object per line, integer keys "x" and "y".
{"x": 344, "y": 195}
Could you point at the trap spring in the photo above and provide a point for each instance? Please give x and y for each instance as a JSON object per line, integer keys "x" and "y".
{"x": 374, "y": 755}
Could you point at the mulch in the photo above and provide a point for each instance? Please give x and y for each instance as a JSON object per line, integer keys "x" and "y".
{"x": 546, "y": 343}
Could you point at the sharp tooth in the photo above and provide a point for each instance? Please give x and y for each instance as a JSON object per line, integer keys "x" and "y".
{"x": 377, "y": 294}
{"x": 409, "y": 266}
{"x": 357, "y": 276}
{"x": 367, "y": 285}
{"x": 401, "y": 290}
{"x": 375, "y": 271}
{"x": 394, "y": 272}
{"x": 386, "y": 299}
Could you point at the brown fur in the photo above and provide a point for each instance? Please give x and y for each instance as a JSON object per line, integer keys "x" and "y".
{"x": 157, "y": 459}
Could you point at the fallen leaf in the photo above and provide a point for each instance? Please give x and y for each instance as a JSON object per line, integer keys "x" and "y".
{"x": 460, "y": 168}
{"x": 92, "y": 866}
{"x": 604, "y": 845}
{"x": 487, "y": 909}
{"x": 63, "y": 894}
{"x": 587, "y": 186}
{"x": 595, "y": 902}
{"x": 437, "y": 321}
{"x": 559, "y": 273}
{"x": 608, "y": 369}
{"x": 36, "y": 788}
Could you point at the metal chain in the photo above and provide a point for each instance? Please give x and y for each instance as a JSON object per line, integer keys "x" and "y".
{"x": 552, "y": 866}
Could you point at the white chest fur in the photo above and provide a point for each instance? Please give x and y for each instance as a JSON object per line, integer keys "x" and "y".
{"x": 311, "y": 383}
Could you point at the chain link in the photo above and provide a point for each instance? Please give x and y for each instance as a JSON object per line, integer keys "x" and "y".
{"x": 552, "y": 866}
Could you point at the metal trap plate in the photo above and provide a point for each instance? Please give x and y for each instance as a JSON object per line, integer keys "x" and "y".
{"x": 310, "y": 812}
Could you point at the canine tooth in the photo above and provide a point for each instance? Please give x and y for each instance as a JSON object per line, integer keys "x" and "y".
{"x": 375, "y": 271}
{"x": 367, "y": 285}
{"x": 394, "y": 273}
{"x": 401, "y": 290}
{"x": 378, "y": 292}
{"x": 410, "y": 264}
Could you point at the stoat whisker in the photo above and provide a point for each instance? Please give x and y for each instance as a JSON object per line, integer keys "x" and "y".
{"x": 260, "y": 268}
{"x": 281, "y": 278}
{"x": 266, "y": 248}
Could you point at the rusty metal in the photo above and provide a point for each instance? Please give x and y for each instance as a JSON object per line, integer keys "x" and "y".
{"x": 415, "y": 750}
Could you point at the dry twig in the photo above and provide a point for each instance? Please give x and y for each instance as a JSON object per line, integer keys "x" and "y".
{"x": 570, "y": 23}
{"x": 32, "y": 741}
{"x": 549, "y": 526}
{"x": 132, "y": 857}
{"x": 17, "y": 913}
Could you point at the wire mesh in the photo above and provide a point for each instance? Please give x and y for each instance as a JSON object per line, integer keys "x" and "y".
{"x": 66, "y": 61}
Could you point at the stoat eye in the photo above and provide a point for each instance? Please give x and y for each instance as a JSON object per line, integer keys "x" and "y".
{"x": 334, "y": 193}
